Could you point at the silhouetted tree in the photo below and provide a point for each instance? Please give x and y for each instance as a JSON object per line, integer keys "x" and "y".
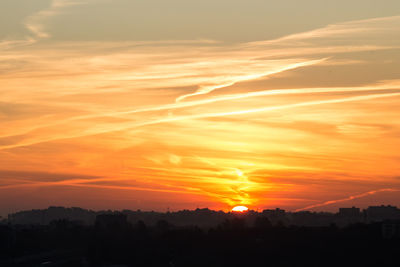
{"x": 262, "y": 223}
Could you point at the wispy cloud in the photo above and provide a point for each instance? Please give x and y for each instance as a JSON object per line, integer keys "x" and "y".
{"x": 130, "y": 125}
{"x": 36, "y": 23}
{"x": 372, "y": 26}
{"x": 205, "y": 89}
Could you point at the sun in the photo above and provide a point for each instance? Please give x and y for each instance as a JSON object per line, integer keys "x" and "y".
{"x": 240, "y": 209}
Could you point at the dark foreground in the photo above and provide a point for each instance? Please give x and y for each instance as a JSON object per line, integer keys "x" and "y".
{"x": 232, "y": 243}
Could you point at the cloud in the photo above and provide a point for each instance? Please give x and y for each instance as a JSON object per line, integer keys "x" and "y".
{"x": 130, "y": 125}
{"x": 205, "y": 89}
{"x": 41, "y": 176}
{"x": 6, "y": 44}
{"x": 341, "y": 31}
{"x": 36, "y": 22}
{"x": 380, "y": 88}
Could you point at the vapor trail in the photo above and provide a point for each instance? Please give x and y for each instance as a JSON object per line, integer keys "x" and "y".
{"x": 246, "y": 95}
{"x": 207, "y": 115}
{"x": 208, "y": 89}
{"x": 348, "y": 198}
{"x": 273, "y": 108}
{"x": 230, "y": 97}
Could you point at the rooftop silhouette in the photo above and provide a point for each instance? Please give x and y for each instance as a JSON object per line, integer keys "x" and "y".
{"x": 267, "y": 238}
{"x": 210, "y": 218}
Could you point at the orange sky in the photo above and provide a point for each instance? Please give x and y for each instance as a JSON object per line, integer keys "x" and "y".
{"x": 308, "y": 119}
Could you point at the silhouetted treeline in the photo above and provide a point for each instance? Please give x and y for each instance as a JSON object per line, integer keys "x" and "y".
{"x": 113, "y": 241}
{"x": 206, "y": 218}
{"x": 200, "y": 217}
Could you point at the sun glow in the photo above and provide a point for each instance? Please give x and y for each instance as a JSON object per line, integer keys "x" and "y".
{"x": 240, "y": 209}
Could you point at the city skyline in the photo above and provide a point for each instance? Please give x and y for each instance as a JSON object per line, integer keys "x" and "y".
{"x": 344, "y": 217}
{"x": 184, "y": 104}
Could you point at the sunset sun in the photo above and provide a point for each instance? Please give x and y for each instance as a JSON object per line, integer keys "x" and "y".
{"x": 240, "y": 209}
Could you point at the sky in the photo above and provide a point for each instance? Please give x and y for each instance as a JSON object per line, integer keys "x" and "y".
{"x": 183, "y": 104}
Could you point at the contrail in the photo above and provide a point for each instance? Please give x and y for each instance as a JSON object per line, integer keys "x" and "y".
{"x": 349, "y": 27}
{"x": 273, "y": 108}
{"x": 273, "y": 92}
{"x": 208, "y": 115}
{"x": 208, "y": 89}
{"x": 348, "y": 198}
{"x": 242, "y": 96}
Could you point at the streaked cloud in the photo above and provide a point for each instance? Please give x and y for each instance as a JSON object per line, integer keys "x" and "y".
{"x": 36, "y": 23}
